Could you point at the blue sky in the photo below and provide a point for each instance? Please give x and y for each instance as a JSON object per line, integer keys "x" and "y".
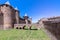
{"x": 36, "y": 9}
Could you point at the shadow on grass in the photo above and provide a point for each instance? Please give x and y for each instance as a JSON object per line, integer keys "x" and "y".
{"x": 30, "y": 29}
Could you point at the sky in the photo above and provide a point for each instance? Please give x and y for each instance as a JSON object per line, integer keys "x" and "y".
{"x": 36, "y": 9}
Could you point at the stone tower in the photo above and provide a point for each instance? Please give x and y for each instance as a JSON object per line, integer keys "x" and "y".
{"x": 30, "y": 20}
{"x": 26, "y": 19}
{"x": 9, "y": 14}
{"x": 6, "y": 10}
{"x": 17, "y": 16}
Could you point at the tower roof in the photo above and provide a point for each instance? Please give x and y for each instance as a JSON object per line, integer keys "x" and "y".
{"x": 7, "y": 2}
{"x": 26, "y": 14}
{"x": 16, "y": 8}
{"x": 30, "y": 17}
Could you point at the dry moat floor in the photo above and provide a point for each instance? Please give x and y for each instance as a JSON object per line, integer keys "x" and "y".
{"x": 17, "y": 34}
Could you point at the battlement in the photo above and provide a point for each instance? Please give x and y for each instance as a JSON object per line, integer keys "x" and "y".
{"x": 6, "y": 5}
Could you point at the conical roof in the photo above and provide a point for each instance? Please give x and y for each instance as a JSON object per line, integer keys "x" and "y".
{"x": 16, "y": 8}
{"x": 25, "y": 14}
{"x": 7, "y": 2}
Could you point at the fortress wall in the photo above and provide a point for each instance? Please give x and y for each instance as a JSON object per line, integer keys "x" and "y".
{"x": 54, "y": 28}
{"x": 52, "y": 25}
{"x": 10, "y": 17}
{"x": 1, "y": 21}
{"x": 13, "y": 16}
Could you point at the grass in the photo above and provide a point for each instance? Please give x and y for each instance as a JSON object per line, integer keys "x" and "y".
{"x": 17, "y": 34}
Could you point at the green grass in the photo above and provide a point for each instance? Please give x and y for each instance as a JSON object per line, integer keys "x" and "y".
{"x": 17, "y": 34}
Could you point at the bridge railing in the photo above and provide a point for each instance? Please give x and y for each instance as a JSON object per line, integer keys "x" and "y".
{"x": 28, "y": 25}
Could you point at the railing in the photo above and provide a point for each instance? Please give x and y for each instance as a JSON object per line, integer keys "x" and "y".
{"x": 28, "y": 25}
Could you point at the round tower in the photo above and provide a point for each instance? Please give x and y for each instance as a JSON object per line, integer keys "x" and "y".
{"x": 7, "y": 10}
{"x": 26, "y": 18}
{"x": 30, "y": 19}
{"x": 17, "y": 16}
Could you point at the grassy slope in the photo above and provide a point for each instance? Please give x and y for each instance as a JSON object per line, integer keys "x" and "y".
{"x": 15, "y": 34}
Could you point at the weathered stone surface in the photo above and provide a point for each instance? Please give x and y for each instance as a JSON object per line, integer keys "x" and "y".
{"x": 53, "y": 26}
{"x": 10, "y": 16}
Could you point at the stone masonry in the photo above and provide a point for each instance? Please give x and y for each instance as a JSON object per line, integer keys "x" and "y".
{"x": 51, "y": 24}
{"x": 10, "y": 16}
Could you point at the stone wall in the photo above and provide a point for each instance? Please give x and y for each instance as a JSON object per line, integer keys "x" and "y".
{"x": 53, "y": 27}
{"x": 1, "y": 21}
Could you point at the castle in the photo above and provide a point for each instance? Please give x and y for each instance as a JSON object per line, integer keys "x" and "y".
{"x": 10, "y": 16}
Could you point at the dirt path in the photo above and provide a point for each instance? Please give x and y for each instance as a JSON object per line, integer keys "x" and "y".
{"x": 50, "y": 35}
